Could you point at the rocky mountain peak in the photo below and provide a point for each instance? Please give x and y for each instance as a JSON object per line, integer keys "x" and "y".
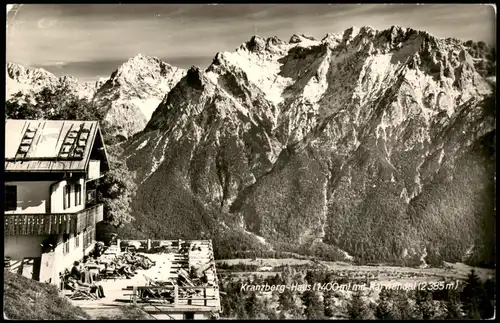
{"x": 299, "y": 38}
{"x": 134, "y": 91}
{"x": 66, "y": 80}
{"x": 21, "y": 74}
{"x": 139, "y": 67}
{"x": 333, "y": 38}
{"x": 194, "y": 77}
{"x": 29, "y": 81}
{"x": 256, "y": 44}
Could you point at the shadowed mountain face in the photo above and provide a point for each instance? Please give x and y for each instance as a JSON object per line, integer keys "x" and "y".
{"x": 379, "y": 143}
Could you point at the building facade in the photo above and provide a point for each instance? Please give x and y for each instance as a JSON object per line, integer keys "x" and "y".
{"x": 52, "y": 169}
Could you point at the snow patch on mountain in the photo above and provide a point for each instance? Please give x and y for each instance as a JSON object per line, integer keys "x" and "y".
{"x": 147, "y": 106}
{"x": 142, "y": 145}
{"x": 262, "y": 69}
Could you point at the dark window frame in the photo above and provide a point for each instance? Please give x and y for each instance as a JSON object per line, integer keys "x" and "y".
{"x": 66, "y": 239}
{"x": 67, "y": 196}
{"x": 78, "y": 194}
{"x": 10, "y": 198}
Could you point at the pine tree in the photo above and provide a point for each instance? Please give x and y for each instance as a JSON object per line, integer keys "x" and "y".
{"x": 286, "y": 302}
{"x": 383, "y": 310}
{"x": 472, "y": 296}
{"x": 314, "y": 306}
{"x": 425, "y": 306}
{"x": 402, "y": 309}
{"x": 453, "y": 309}
{"x": 328, "y": 303}
{"x": 252, "y": 305}
{"x": 357, "y": 309}
{"x": 240, "y": 307}
{"x": 486, "y": 306}
{"x": 268, "y": 313}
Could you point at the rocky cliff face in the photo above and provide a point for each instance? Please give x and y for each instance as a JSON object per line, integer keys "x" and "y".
{"x": 129, "y": 96}
{"x": 379, "y": 143}
{"x": 134, "y": 91}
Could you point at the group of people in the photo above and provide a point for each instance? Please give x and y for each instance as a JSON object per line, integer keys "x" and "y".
{"x": 124, "y": 265}
{"x": 128, "y": 264}
{"x": 120, "y": 268}
{"x": 79, "y": 276}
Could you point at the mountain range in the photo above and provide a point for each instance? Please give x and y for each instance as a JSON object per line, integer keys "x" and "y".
{"x": 369, "y": 145}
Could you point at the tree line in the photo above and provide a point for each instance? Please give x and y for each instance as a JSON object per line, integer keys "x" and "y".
{"x": 474, "y": 300}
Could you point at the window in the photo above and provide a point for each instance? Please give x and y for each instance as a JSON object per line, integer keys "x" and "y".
{"x": 88, "y": 237}
{"x": 91, "y": 236}
{"x": 77, "y": 240}
{"x": 85, "y": 238}
{"x": 91, "y": 196}
{"x": 78, "y": 194}
{"x": 67, "y": 196}
{"x": 10, "y": 198}
{"x": 65, "y": 243}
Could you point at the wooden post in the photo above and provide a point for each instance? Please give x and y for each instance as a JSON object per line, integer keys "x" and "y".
{"x": 134, "y": 295}
{"x": 149, "y": 244}
{"x": 176, "y": 294}
{"x": 205, "y": 296}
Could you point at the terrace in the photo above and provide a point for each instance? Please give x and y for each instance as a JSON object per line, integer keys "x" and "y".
{"x": 170, "y": 288}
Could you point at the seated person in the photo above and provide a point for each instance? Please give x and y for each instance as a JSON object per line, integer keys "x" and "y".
{"x": 124, "y": 268}
{"x": 110, "y": 268}
{"x": 204, "y": 278}
{"x": 130, "y": 259}
{"x": 76, "y": 270}
{"x": 98, "y": 290}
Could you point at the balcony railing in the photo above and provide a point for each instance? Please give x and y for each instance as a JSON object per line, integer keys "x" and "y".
{"x": 55, "y": 223}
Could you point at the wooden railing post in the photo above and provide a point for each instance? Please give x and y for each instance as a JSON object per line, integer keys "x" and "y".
{"x": 205, "y": 296}
{"x": 176, "y": 295}
{"x": 134, "y": 295}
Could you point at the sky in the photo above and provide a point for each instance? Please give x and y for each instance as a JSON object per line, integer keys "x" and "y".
{"x": 89, "y": 41}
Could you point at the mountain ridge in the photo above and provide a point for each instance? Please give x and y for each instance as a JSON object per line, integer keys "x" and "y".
{"x": 128, "y": 96}
{"x": 275, "y": 134}
{"x": 367, "y": 145}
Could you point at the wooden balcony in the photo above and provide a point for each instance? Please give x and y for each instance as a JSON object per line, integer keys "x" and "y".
{"x": 56, "y": 223}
